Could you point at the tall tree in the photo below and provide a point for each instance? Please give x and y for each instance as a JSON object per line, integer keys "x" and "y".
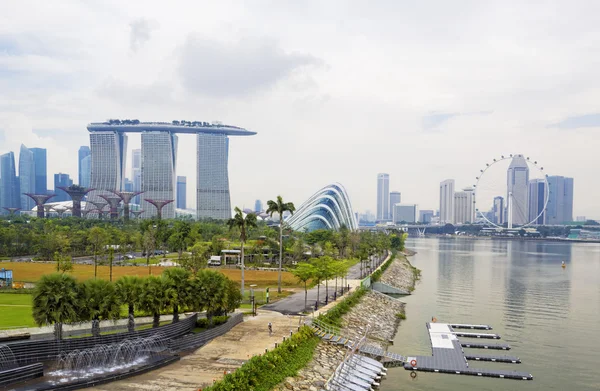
{"x": 149, "y": 244}
{"x": 304, "y": 272}
{"x": 211, "y": 292}
{"x": 56, "y": 301}
{"x": 98, "y": 239}
{"x": 280, "y": 207}
{"x": 99, "y": 301}
{"x": 129, "y": 290}
{"x": 177, "y": 280}
{"x": 243, "y": 224}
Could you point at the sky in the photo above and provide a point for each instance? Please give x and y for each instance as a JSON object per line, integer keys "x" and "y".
{"x": 338, "y": 91}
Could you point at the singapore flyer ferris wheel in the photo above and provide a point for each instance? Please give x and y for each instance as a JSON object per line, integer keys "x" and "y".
{"x": 511, "y": 191}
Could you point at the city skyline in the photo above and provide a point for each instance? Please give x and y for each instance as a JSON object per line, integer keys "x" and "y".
{"x": 304, "y": 87}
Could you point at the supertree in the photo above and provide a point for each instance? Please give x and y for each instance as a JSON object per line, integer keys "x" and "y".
{"x": 113, "y": 202}
{"x": 40, "y": 200}
{"x": 11, "y": 211}
{"x": 76, "y": 193}
{"x": 100, "y": 207}
{"x": 159, "y": 204}
{"x": 126, "y": 196}
{"x": 137, "y": 213}
{"x": 47, "y": 209}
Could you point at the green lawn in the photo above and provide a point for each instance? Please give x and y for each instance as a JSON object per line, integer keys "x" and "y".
{"x": 15, "y": 311}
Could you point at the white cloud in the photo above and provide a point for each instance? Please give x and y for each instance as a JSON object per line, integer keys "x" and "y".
{"x": 337, "y": 90}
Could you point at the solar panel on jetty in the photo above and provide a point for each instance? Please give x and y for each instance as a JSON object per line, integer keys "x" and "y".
{"x": 449, "y": 357}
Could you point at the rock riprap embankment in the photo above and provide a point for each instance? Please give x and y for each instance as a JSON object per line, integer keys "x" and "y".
{"x": 314, "y": 376}
{"x": 399, "y": 275}
{"x": 376, "y": 316}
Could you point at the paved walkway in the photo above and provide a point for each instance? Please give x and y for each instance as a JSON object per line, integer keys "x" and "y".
{"x": 208, "y": 363}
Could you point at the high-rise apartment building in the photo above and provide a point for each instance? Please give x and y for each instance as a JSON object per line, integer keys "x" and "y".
{"x": 108, "y": 152}
{"x": 9, "y": 183}
{"x": 181, "y": 192}
{"x": 212, "y": 191}
{"x": 560, "y": 201}
{"x": 464, "y": 206}
{"x": 61, "y": 180}
{"x": 536, "y": 198}
{"x": 518, "y": 189}
{"x": 395, "y": 198}
{"x": 86, "y": 171}
{"x": 498, "y": 211}
{"x": 41, "y": 171}
{"x": 159, "y": 158}
{"x": 26, "y": 177}
{"x": 383, "y": 197}
{"x": 404, "y": 213}
{"x": 258, "y": 206}
{"x": 84, "y": 151}
{"x": 128, "y": 185}
{"x": 447, "y": 202}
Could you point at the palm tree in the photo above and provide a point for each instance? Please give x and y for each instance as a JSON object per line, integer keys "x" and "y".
{"x": 243, "y": 224}
{"x": 154, "y": 298}
{"x": 303, "y": 273}
{"x": 149, "y": 244}
{"x": 280, "y": 207}
{"x": 129, "y": 289}
{"x": 56, "y": 301}
{"x": 99, "y": 302}
{"x": 211, "y": 292}
{"x": 177, "y": 281}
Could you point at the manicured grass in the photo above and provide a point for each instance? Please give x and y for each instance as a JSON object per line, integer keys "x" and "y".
{"x": 15, "y": 311}
{"x": 31, "y": 272}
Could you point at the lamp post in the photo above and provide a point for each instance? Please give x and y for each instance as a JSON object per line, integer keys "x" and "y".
{"x": 252, "y": 299}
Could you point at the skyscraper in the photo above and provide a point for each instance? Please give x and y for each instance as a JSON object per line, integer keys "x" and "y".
{"x": 425, "y": 216}
{"x": 536, "y": 198}
{"x": 464, "y": 208}
{"x": 41, "y": 172}
{"x": 128, "y": 185}
{"x": 159, "y": 158}
{"x": 26, "y": 177}
{"x": 383, "y": 197}
{"x": 258, "y": 206}
{"x": 108, "y": 152}
{"x": 61, "y": 180}
{"x": 447, "y": 202}
{"x": 86, "y": 171}
{"x": 395, "y": 198}
{"x": 517, "y": 185}
{"x": 498, "y": 210}
{"x": 181, "y": 192}
{"x": 560, "y": 201}
{"x": 84, "y": 151}
{"x": 212, "y": 192}
{"x": 9, "y": 183}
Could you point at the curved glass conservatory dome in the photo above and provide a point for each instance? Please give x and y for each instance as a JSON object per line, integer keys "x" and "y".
{"x": 329, "y": 208}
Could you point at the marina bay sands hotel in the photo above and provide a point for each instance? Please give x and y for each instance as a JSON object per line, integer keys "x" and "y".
{"x": 108, "y": 143}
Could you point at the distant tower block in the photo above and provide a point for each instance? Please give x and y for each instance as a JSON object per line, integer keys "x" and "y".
{"x": 137, "y": 213}
{"x": 12, "y": 211}
{"x": 76, "y": 193}
{"x": 126, "y": 196}
{"x": 114, "y": 206}
{"x": 99, "y": 206}
{"x": 159, "y": 204}
{"x": 40, "y": 200}
{"x": 47, "y": 209}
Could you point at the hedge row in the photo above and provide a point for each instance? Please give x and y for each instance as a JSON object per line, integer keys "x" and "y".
{"x": 379, "y": 272}
{"x": 334, "y": 315}
{"x": 262, "y": 373}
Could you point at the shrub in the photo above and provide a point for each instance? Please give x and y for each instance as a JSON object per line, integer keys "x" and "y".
{"x": 334, "y": 315}
{"x": 262, "y": 373}
{"x": 217, "y": 320}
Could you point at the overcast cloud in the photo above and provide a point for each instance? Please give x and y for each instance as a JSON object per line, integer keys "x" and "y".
{"x": 337, "y": 90}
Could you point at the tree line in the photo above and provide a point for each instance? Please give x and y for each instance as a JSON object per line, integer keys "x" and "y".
{"x": 59, "y": 298}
